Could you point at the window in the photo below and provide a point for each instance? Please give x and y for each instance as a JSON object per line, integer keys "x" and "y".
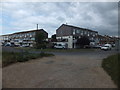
{"x": 88, "y": 34}
{"x": 73, "y": 31}
{"x": 78, "y": 31}
{"x": 59, "y": 45}
{"x": 85, "y": 32}
{"x": 28, "y": 34}
{"x": 25, "y": 35}
{"x": 32, "y": 38}
{"x": 61, "y": 32}
{"x": 81, "y": 33}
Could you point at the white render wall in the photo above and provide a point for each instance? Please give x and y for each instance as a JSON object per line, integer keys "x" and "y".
{"x": 70, "y": 40}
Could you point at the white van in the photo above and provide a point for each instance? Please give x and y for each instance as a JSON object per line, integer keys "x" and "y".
{"x": 106, "y": 47}
{"x": 60, "y": 46}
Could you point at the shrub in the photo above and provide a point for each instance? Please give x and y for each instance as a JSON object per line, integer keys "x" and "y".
{"x": 42, "y": 54}
{"x": 12, "y": 57}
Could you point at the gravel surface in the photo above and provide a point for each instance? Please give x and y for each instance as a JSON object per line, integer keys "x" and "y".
{"x": 60, "y": 71}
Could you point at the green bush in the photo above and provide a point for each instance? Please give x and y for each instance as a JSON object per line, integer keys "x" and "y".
{"x": 22, "y": 58}
{"x": 34, "y": 56}
{"x": 42, "y": 54}
{"x": 11, "y": 57}
{"x": 8, "y": 58}
{"x": 111, "y": 65}
{"x": 40, "y": 46}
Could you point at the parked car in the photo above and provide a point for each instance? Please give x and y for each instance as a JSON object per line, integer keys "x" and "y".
{"x": 106, "y": 47}
{"x": 24, "y": 46}
{"x": 60, "y": 46}
{"x": 7, "y": 45}
{"x": 96, "y": 46}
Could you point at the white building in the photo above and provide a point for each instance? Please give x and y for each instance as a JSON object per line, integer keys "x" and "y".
{"x": 26, "y": 38}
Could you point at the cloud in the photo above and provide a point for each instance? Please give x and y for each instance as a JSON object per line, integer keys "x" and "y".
{"x": 101, "y": 17}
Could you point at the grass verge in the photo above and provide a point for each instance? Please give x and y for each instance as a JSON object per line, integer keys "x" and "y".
{"x": 111, "y": 65}
{"x": 56, "y": 50}
{"x": 13, "y": 57}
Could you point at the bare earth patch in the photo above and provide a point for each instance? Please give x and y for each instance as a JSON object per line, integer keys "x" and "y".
{"x": 60, "y": 71}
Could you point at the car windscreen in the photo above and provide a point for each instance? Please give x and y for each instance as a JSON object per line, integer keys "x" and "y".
{"x": 59, "y": 45}
{"x": 106, "y": 46}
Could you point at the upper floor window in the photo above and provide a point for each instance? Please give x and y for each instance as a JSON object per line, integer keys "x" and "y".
{"x": 73, "y": 31}
{"x": 81, "y": 33}
{"x": 88, "y": 34}
{"x": 61, "y": 32}
{"x": 28, "y": 34}
{"x": 85, "y": 32}
{"x": 78, "y": 31}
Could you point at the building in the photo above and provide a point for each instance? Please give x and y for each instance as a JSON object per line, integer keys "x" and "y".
{"x": 26, "y": 38}
{"x": 69, "y": 35}
{"x": 106, "y": 39}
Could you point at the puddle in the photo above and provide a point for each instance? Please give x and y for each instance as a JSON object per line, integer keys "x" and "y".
{"x": 49, "y": 62}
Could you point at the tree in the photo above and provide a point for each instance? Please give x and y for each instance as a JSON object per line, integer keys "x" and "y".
{"x": 83, "y": 41}
{"x": 53, "y": 38}
{"x": 40, "y": 40}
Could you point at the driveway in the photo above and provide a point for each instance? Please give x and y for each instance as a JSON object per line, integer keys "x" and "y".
{"x": 64, "y": 70}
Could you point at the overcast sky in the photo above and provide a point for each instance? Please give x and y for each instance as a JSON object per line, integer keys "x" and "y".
{"x": 21, "y": 16}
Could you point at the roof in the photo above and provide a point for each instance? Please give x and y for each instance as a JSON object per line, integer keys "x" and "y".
{"x": 28, "y": 31}
{"x": 78, "y": 28}
{"x": 24, "y": 32}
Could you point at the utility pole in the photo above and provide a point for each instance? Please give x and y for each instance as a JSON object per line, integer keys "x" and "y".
{"x": 37, "y": 26}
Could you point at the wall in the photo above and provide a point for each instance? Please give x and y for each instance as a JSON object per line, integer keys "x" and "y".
{"x": 70, "y": 40}
{"x": 63, "y": 31}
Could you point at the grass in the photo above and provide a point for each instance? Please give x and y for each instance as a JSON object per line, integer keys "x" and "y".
{"x": 55, "y": 50}
{"x": 111, "y": 65}
{"x": 13, "y": 57}
{"x": 67, "y": 50}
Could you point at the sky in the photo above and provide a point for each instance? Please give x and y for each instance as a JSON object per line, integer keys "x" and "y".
{"x": 23, "y": 16}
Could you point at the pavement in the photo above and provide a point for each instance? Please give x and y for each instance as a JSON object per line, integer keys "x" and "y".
{"x": 64, "y": 70}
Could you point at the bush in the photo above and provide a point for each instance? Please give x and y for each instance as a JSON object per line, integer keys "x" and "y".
{"x": 42, "y": 54}
{"x": 111, "y": 65}
{"x": 8, "y": 58}
{"x": 22, "y": 58}
{"x": 12, "y": 57}
{"x": 39, "y": 46}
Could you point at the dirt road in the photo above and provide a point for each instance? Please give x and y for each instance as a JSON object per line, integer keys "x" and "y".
{"x": 60, "y": 71}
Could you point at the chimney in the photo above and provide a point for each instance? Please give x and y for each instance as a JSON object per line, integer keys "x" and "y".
{"x": 37, "y": 26}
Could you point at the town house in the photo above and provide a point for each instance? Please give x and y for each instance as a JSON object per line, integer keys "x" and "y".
{"x": 69, "y": 35}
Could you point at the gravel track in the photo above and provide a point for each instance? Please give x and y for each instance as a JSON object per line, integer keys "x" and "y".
{"x": 60, "y": 71}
